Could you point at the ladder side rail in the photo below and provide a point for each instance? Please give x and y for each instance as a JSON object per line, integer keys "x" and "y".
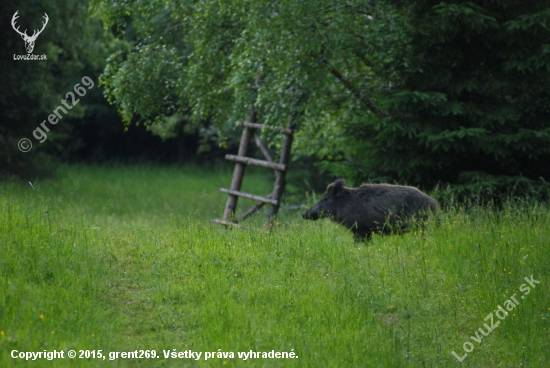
{"x": 280, "y": 176}
{"x": 238, "y": 172}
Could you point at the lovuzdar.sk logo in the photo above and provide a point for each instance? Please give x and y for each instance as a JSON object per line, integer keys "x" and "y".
{"x": 29, "y": 40}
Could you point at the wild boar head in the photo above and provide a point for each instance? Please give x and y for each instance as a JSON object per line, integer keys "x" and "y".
{"x": 329, "y": 204}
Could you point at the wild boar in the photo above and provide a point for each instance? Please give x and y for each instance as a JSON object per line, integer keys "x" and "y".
{"x": 378, "y": 208}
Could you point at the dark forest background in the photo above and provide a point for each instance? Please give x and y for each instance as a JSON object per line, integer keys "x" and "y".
{"x": 450, "y": 94}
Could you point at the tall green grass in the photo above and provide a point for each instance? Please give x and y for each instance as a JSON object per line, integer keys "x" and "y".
{"x": 126, "y": 258}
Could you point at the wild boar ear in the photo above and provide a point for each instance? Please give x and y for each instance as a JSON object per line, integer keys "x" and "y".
{"x": 338, "y": 186}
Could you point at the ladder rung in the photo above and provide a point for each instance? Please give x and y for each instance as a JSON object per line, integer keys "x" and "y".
{"x": 250, "y": 196}
{"x": 261, "y": 126}
{"x": 230, "y": 224}
{"x": 253, "y": 161}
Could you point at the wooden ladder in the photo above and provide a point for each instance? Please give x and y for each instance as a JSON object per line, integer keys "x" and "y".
{"x": 274, "y": 199}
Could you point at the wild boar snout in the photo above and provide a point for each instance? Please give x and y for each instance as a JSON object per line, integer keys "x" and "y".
{"x": 310, "y": 215}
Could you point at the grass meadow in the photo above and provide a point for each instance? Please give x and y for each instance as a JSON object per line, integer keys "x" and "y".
{"x": 126, "y": 258}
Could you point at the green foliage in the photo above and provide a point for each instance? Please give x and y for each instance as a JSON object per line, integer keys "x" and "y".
{"x": 423, "y": 93}
{"x": 281, "y": 58}
{"x": 127, "y": 258}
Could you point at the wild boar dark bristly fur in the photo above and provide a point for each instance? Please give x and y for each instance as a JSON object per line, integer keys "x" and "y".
{"x": 371, "y": 207}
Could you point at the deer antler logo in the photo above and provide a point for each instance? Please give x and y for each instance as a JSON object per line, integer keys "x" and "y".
{"x": 29, "y": 40}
